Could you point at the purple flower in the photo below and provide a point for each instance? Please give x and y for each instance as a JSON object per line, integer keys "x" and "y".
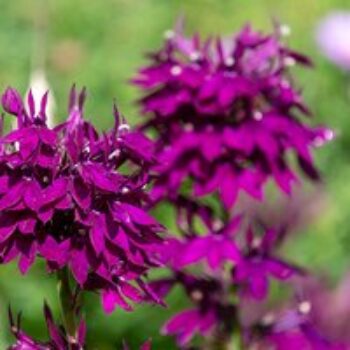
{"x": 12, "y": 102}
{"x": 332, "y": 36}
{"x": 217, "y": 247}
{"x": 293, "y": 329}
{"x": 187, "y": 323}
{"x": 65, "y": 196}
{"x": 306, "y": 323}
{"x": 210, "y": 309}
{"x": 258, "y": 265}
{"x": 203, "y": 317}
{"x": 296, "y": 339}
{"x": 226, "y": 112}
{"x": 333, "y": 322}
{"x": 252, "y": 257}
{"x": 58, "y": 340}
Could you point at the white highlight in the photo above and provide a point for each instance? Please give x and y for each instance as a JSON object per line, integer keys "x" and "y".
{"x": 195, "y": 56}
{"x": 305, "y": 307}
{"x": 188, "y": 127}
{"x": 285, "y": 30}
{"x": 114, "y": 154}
{"x": 258, "y": 115}
{"x": 229, "y": 61}
{"x": 289, "y": 61}
{"x": 329, "y": 134}
{"x": 123, "y": 127}
{"x": 268, "y": 319}
{"x": 169, "y": 34}
{"x": 125, "y": 190}
{"x": 176, "y": 70}
{"x": 285, "y": 84}
{"x": 256, "y": 242}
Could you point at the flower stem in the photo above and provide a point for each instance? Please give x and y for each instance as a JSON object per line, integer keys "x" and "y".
{"x": 66, "y": 302}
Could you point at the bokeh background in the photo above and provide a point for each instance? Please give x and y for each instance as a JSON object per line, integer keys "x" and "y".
{"x": 100, "y": 44}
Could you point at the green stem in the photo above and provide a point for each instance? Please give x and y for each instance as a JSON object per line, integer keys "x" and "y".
{"x": 66, "y": 302}
{"x": 240, "y": 341}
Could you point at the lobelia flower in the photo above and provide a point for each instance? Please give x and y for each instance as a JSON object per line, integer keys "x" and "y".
{"x": 259, "y": 264}
{"x": 299, "y": 336}
{"x": 185, "y": 324}
{"x": 226, "y": 112}
{"x": 252, "y": 257}
{"x": 332, "y": 322}
{"x": 58, "y": 339}
{"x": 238, "y": 258}
{"x": 305, "y": 323}
{"x": 65, "y": 197}
{"x": 210, "y": 308}
{"x": 294, "y": 328}
{"x": 217, "y": 247}
{"x": 332, "y": 36}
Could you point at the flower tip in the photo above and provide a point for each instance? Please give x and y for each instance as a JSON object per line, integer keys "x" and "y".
{"x": 10, "y": 315}
{"x": 116, "y": 113}
{"x": 76, "y": 100}
{"x": 82, "y": 98}
{"x": 329, "y": 134}
{"x": 147, "y": 345}
{"x": 326, "y": 135}
{"x": 47, "y": 310}
{"x": 180, "y": 24}
{"x": 11, "y": 101}
{"x": 72, "y": 97}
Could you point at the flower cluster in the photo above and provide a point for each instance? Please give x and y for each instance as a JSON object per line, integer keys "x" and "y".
{"x": 65, "y": 196}
{"x": 236, "y": 258}
{"x": 58, "y": 339}
{"x": 209, "y": 309}
{"x": 305, "y": 323}
{"x": 226, "y": 114}
{"x": 294, "y": 330}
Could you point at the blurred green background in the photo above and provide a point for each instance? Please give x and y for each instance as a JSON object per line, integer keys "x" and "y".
{"x": 100, "y": 44}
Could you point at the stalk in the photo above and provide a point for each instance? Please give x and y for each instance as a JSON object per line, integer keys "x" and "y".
{"x": 66, "y": 299}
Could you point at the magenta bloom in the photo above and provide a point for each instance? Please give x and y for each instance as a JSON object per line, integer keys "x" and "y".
{"x": 58, "y": 340}
{"x": 209, "y": 309}
{"x": 293, "y": 329}
{"x": 64, "y": 197}
{"x": 333, "y": 38}
{"x": 317, "y": 319}
{"x": 332, "y": 322}
{"x": 251, "y": 257}
{"x": 216, "y": 248}
{"x": 226, "y": 113}
{"x": 259, "y": 264}
{"x": 187, "y": 323}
